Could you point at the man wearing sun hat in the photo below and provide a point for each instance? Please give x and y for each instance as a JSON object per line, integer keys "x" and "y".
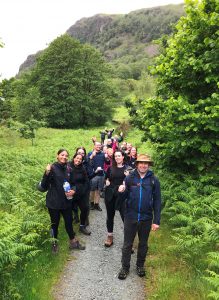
{"x": 143, "y": 206}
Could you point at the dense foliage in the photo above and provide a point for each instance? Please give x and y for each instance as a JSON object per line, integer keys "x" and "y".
{"x": 68, "y": 87}
{"x": 182, "y": 121}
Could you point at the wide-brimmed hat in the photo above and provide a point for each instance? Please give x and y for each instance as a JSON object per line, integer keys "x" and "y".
{"x": 144, "y": 158}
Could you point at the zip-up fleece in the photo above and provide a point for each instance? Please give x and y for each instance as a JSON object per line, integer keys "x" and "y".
{"x": 55, "y": 197}
{"x": 143, "y": 197}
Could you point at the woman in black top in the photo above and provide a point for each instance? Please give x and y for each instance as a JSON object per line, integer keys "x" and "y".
{"x": 57, "y": 201}
{"x": 113, "y": 199}
{"x": 81, "y": 196}
{"x": 89, "y": 169}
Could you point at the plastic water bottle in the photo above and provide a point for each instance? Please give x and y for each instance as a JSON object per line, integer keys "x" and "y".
{"x": 67, "y": 187}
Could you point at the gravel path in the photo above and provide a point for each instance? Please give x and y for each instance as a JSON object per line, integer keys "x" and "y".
{"x": 92, "y": 273}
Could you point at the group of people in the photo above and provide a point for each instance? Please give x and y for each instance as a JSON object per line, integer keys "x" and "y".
{"x": 114, "y": 171}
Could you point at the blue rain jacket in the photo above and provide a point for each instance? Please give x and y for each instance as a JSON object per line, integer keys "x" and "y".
{"x": 143, "y": 197}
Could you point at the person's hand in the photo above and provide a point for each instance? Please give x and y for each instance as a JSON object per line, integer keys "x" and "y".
{"x": 126, "y": 172}
{"x": 48, "y": 169}
{"x": 98, "y": 169}
{"x": 121, "y": 188}
{"x": 93, "y": 154}
{"x": 70, "y": 193}
{"x": 155, "y": 227}
{"x": 107, "y": 182}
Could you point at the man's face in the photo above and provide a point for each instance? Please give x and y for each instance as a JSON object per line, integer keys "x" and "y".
{"x": 97, "y": 147}
{"x": 142, "y": 167}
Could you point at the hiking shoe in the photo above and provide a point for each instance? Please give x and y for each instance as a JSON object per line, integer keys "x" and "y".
{"x": 92, "y": 206}
{"x": 123, "y": 273}
{"x": 55, "y": 248}
{"x": 140, "y": 271}
{"x": 97, "y": 207}
{"x": 76, "y": 246}
{"x": 84, "y": 230}
{"x": 109, "y": 241}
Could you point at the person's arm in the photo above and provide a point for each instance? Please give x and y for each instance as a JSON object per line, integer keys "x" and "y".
{"x": 47, "y": 176}
{"x": 156, "y": 205}
{"x": 124, "y": 186}
{"x": 91, "y": 156}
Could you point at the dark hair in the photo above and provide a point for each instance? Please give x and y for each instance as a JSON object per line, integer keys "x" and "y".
{"x": 113, "y": 160}
{"x": 62, "y": 150}
{"x": 85, "y": 153}
{"x": 136, "y": 151}
{"x": 76, "y": 154}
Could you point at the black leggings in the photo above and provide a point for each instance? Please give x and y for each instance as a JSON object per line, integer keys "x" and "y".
{"x": 55, "y": 215}
{"x": 111, "y": 199}
{"x": 81, "y": 201}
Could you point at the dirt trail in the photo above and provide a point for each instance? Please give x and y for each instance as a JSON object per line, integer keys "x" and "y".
{"x": 92, "y": 274}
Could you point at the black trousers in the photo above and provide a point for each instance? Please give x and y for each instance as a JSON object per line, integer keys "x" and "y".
{"x": 81, "y": 201}
{"x": 131, "y": 228}
{"x": 111, "y": 202}
{"x": 55, "y": 215}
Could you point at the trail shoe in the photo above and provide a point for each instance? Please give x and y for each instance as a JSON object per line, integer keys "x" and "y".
{"x": 123, "y": 273}
{"x": 84, "y": 230}
{"x": 92, "y": 206}
{"x": 76, "y": 246}
{"x": 109, "y": 241}
{"x": 140, "y": 271}
{"x": 97, "y": 207}
{"x": 55, "y": 248}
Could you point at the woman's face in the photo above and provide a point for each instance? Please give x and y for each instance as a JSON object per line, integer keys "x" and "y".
{"x": 77, "y": 160}
{"x": 62, "y": 157}
{"x": 119, "y": 158}
{"x": 133, "y": 152}
{"x": 81, "y": 151}
{"x": 105, "y": 149}
{"x": 110, "y": 152}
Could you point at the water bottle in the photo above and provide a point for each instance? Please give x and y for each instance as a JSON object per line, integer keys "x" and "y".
{"x": 67, "y": 187}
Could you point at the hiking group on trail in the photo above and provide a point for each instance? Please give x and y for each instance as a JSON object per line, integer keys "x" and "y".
{"x": 114, "y": 171}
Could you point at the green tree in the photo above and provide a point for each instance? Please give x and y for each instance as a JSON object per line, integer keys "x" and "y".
{"x": 6, "y": 96}
{"x": 73, "y": 84}
{"x": 26, "y": 102}
{"x": 183, "y": 121}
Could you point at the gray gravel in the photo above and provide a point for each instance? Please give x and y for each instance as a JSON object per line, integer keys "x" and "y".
{"x": 92, "y": 273}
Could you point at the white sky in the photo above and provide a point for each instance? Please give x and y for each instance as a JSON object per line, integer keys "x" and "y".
{"x": 27, "y": 26}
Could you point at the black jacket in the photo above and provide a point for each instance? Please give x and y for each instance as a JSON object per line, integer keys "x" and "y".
{"x": 80, "y": 178}
{"x": 55, "y": 197}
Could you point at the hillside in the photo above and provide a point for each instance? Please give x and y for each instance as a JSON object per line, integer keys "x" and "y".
{"x": 125, "y": 37}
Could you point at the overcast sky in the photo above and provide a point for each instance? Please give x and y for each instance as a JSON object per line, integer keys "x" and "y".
{"x": 27, "y": 26}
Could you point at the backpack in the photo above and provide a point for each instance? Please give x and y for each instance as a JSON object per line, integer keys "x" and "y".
{"x": 40, "y": 188}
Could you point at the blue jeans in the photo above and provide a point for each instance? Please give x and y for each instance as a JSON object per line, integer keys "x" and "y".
{"x": 131, "y": 228}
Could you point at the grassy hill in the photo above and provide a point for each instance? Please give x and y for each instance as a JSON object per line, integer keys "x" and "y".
{"x": 125, "y": 38}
